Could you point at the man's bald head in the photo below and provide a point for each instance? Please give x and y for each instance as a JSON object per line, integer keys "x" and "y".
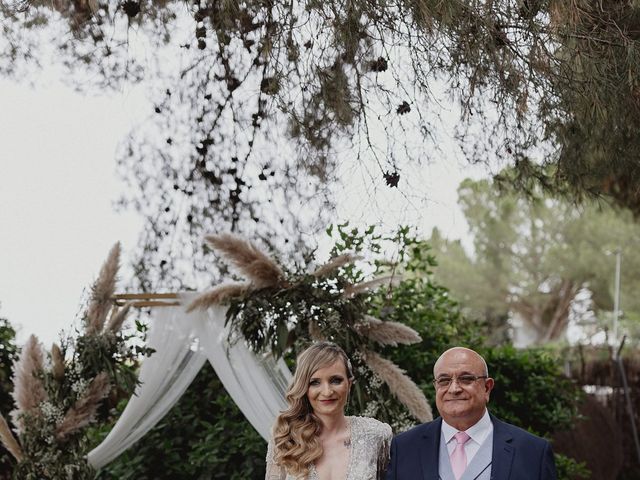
{"x": 457, "y": 350}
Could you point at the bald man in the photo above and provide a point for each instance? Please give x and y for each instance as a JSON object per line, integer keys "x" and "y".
{"x": 466, "y": 442}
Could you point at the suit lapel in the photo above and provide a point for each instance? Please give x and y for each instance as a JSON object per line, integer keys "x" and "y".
{"x": 503, "y": 451}
{"x": 430, "y": 449}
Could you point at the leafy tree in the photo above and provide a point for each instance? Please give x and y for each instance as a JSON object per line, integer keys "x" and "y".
{"x": 254, "y": 100}
{"x": 538, "y": 258}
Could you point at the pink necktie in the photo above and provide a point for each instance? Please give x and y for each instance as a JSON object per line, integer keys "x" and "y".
{"x": 459, "y": 456}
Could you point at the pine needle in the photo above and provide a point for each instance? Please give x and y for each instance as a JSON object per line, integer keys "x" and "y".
{"x": 118, "y": 317}
{"x": 261, "y": 270}
{"x": 57, "y": 363}
{"x": 84, "y": 410}
{"x": 218, "y": 295}
{"x": 335, "y": 263}
{"x": 102, "y": 291}
{"x": 387, "y": 333}
{"x": 28, "y": 389}
{"x": 390, "y": 280}
{"x": 9, "y": 441}
{"x": 400, "y": 385}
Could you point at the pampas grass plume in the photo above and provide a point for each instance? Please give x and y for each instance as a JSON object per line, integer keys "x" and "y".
{"x": 261, "y": 270}
{"x": 57, "y": 363}
{"x": 401, "y": 386}
{"x": 102, "y": 292}
{"x": 217, "y": 295}
{"x": 118, "y": 317}
{"x": 390, "y": 280}
{"x": 9, "y": 440}
{"x": 315, "y": 333}
{"x": 28, "y": 390}
{"x": 387, "y": 333}
{"x": 335, "y": 263}
{"x": 84, "y": 410}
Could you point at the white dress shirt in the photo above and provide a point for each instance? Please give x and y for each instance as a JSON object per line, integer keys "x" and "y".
{"x": 478, "y": 433}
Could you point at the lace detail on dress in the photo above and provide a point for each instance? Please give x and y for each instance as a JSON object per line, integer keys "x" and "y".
{"x": 274, "y": 472}
{"x": 369, "y": 456}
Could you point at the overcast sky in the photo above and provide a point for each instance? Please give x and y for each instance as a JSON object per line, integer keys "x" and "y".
{"x": 58, "y": 186}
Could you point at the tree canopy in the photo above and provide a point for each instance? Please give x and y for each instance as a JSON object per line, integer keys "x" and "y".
{"x": 256, "y": 102}
{"x": 539, "y": 259}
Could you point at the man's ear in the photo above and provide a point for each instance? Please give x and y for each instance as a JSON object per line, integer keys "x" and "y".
{"x": 489, "y": 384}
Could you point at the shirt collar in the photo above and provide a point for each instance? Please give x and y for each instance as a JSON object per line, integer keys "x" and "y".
{"x": 477, "y": 432}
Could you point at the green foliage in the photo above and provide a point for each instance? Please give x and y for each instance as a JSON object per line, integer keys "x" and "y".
{"x": 530, "y": 391}
{"x": 114, "y": 353}
{"x": 203, "y": 436}
{"x": 569, "y": 469}
{"x": 8, "y": 354}
{"x": 264, "y": 317}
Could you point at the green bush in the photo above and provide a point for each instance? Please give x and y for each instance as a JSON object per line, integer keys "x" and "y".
{"x": 8, "y": 354}
{"x": 530, "y": 391}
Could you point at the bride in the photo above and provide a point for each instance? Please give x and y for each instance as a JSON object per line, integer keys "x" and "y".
{"x": 313, "y": 439}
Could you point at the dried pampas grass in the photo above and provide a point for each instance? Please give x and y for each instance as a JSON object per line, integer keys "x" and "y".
{"x": 387, "y": 333}
{"x": 117, "y": 318}
{"x": 102, "y": 292}
{"x": 389, "y": 280}
{"x": 401, "y": 386}
{"x": 9, "y": 440}
{"x": 57, "y": 363}
{"x": 261, "y": 270}
{"x": 218, "y": 295}
{"x": 84, "y": 410}
{"x": 335, "y": 263}
{"x": 28, "y": 390}
{"x": 315, "y": 333}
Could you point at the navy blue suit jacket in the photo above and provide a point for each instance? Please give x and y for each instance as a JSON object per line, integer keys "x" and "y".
{"x": 517, "y": 454}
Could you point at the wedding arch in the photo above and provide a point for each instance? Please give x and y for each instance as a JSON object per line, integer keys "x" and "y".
{"x": 242, "y": 329}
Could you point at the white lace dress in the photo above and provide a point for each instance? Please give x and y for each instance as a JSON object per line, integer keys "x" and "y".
{"x": 368, "y": 458}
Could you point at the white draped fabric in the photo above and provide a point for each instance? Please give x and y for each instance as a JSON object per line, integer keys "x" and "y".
{"x": 182, "y": 343}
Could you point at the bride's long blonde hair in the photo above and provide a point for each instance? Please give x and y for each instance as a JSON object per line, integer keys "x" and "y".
{"x": 296, "y": 431}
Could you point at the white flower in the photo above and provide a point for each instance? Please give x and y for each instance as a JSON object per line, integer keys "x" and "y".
{"x": 79, "y": 386}
{"x": 51, "y": 412}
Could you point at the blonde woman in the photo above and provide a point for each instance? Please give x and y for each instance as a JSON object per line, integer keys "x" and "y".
{"x": 313, "y": 439}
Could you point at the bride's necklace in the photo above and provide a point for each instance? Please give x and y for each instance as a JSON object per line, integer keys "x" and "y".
{"x": 347, "y": 441}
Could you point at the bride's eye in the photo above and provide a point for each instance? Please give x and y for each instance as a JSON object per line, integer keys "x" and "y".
{"x": 314, "y": 382}
{"x": 337, "y": 380}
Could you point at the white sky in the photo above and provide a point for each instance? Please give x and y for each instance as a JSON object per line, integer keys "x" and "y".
{"x": 58, "y": 185}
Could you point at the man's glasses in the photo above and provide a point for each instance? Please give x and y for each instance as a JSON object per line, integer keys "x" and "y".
{"x": 463, "y": 380}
